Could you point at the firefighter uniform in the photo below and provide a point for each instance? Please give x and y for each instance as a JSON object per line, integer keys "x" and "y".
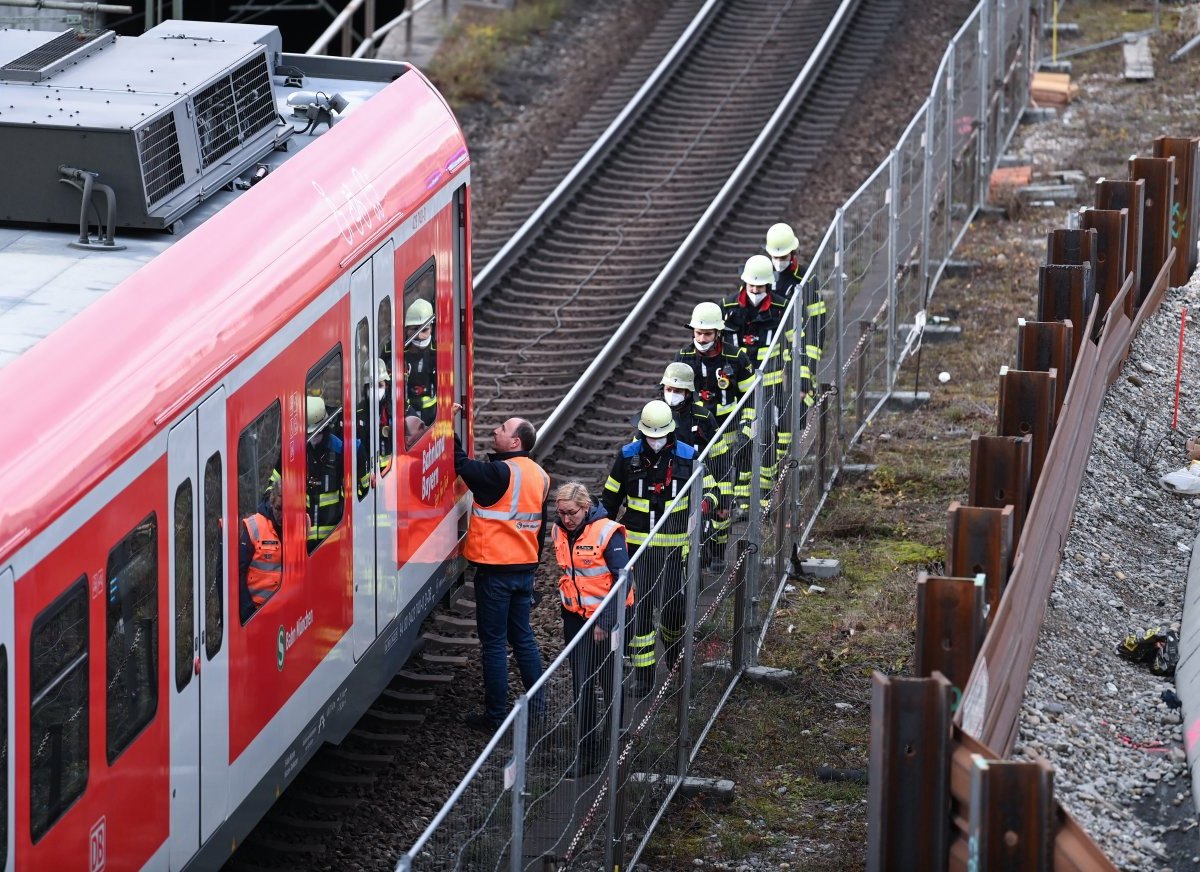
{"x": 783, "y": 248}
{"x": 420, "y": 382}
{"x": 646, "y": 481}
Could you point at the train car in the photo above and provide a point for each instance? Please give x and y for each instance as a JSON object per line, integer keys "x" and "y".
{"x": 227, "y": 273}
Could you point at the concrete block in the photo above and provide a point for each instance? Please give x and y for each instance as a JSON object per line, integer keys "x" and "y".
{"x": 960, "y": 269}
{"x": 817, "y": 567}
{"x": 1036, "y": 115}
{"x": 936, "y": 333}
{"x": 1065, "y": 28}
{"x": 900, "y": 401}
{"x": 1055, "y": 66}
{"x": 1049, "y": 193}
{"x": 768, "y": 675}
{"x": 717, "y": 788}
{"x": 856, "y": 470}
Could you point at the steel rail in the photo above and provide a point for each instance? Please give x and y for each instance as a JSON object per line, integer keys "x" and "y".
{"x": 587, "y": 165}
{"x": 618, "y": 344}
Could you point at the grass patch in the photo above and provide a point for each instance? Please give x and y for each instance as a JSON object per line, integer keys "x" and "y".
{"x": 480, "y": 43}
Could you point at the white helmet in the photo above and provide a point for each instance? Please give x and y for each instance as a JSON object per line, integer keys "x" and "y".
{"x": 314, "y": 413}
{"x": 758, "y": 271}
{"x": 418, "y": 314}
{"x": 679, "y": 375}
{"x": 781, "y": 241}
{"x": 707, "y": 316}
{"x": 383, "y": 372}
{"x": 657, "y": 419}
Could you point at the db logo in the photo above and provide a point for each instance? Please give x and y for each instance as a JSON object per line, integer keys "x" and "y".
{"x": 96, "y": 851}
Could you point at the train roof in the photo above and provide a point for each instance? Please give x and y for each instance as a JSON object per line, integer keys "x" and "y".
{"x": 96, "y": 347}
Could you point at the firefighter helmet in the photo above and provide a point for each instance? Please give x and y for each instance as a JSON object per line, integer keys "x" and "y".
{"x": 707, "y": 316}
{"x": 657, "y": 419}
{"x": 315, "y": 413}
{"x": 418, "y": 314}
{"x": 679, "y": 375}
{"x": 781, "y": 241}
{"x": 758, "y": 270}
{"x": 384, "y": 375}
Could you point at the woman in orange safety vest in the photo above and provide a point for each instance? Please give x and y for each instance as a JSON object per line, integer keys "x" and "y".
{"x": 591, "y": 552}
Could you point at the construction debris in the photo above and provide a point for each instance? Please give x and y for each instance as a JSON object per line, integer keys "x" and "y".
{"x": 1139, "y": 62}
{"x": 1052, "y": 89}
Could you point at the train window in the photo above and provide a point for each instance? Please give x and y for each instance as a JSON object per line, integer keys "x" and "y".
{"x": 324, "y": 449}
{"x": 58, "y": 716}
{"x": 387, "y": 405}
{"x": 420, "y": 353}
{"x": 366, "y": 387}
{"x": 260, "y": 508}
{"x": 214, "y": 556}
{"x": 3, "y": 757}
{"x": 131, "y": 654}
{"x": 185, "y": 586}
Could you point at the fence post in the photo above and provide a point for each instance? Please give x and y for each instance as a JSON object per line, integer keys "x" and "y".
{"x": 741, "y": 607}
{"x": 839, "y": 269}
{"x": 952, "y": 59}
{"x": 754, "y": 529}
{"x": 369, "y": 21}
{"x": 798, "y": 416}
{"x": 982, "y": 127}
{"x": 692, "y": 580}
{"x": 616, "y": 716}
{"x": 823, "y": 439}
{"x": 520, "y": 743}
{"x": 926, "y": 202}
{"x": 861, "y": 372}
{"x": 408, "y": 4}
{"x": 893, "y": 247}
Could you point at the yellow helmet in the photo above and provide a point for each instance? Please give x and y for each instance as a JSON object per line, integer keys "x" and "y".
{"x": 707, "y": 316}
{"x": 679, "y": 375}
{"x": 758, "y": 270}
{"x": 781, "y": 241}
{"x": 315, "y": 413}
{"x": 418, "y": 314}
{"x": 656, "y": 419}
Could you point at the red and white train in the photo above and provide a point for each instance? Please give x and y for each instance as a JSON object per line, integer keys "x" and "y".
{"x": 155, "y": 379}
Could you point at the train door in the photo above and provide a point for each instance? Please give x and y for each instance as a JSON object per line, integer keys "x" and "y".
{"x": 200, "y": 666}
{"x": 7, "y": 696}
{"x": 375, "y": 432}
{"x": 182, "y": 486}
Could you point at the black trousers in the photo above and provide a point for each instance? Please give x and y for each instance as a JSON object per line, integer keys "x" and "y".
{"x": 660, "y": 585}
{"x": 591, "y": 665}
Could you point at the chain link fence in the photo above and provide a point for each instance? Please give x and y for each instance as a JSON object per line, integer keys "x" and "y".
{"x": 588, "y": 761}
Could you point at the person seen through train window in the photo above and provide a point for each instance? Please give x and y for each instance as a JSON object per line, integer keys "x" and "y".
{"x": 323, "y": 488}
{"x": 378, "y": 391}
{"x": 260, "y": 552}
{"x": 420, "y": 360}
{"x": 503, "y": 542}
{"x": 591, "y": 552}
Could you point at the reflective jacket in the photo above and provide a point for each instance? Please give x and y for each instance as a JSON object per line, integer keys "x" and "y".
{"x": 505, "y": 533}
{"x": 722, "y": 377}
{"x": 647, "y": 482}
{"x": 587, "y": 576}
{"x": 815, "y": 310}
{"x": 265, "y": 574}
{"x": 323, "y": 488}
{"x": 754, "y": 327}
{"x": 420, "y": 381}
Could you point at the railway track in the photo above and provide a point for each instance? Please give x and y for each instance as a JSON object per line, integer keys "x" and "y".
{"x": 574, "y": 279}
{"x": 572, "y": 285}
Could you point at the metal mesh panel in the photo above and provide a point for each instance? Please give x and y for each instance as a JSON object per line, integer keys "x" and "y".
{"x": 234, "y": 109}
{"x": 158, "y": 149}
{"x": 965, "y": 127}
{"x": 938, "y": 139}
{"x": 49, "y": 52}
{"x": 910, "y": 241}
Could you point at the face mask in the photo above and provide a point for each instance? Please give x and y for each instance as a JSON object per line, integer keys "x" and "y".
{"x": 673, "y": 399}
{"x": 422, "y": 343}
{"x": 756, "y": 298}
{"x": 704, "y": 346}
{"x": 380, "y": 393}
{"x": 781, "y": 263}
{"x": 656, "y": 444}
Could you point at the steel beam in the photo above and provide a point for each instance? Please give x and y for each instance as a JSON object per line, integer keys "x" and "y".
{"x": 1000, "y": 470}
{"x": 1012, "y": 808}
{"x": 1112, "y": 255}
{"x": 1159, "y": 175}
{"x": 1131, "y": 195}
{"x": 1046, "y": 345}
{"x": 1026, "y": 408}
{"x": 1184, "y": 226}
{"x": 950, "y": 627}
{"x": 908, "y": 790}
{"x": 1066, "y": 293}
{"x": 979, "y": 542}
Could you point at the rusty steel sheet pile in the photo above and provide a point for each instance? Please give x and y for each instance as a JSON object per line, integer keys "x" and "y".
{"x": 943, "y": 795}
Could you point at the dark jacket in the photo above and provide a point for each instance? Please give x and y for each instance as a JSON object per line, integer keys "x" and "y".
{"x": 488, "y": 481}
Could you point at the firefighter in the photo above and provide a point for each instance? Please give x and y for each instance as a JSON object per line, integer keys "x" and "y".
{"x": 721, "y": 375}
{"x": 754, "y": 320}
{"x": 420, "y": 361}
{"x": 783, "y": 248}
{"x": 647, "y": 476}
{"x": 375, "y": 392}
{"x": 323, "y": 490}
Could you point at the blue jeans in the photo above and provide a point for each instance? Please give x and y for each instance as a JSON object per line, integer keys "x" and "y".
{"x": 503, "y": 599}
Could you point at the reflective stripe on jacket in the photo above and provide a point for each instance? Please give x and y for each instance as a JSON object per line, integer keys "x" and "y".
{"x": 265, "y": 574}
{"x": 586, "y": 578}
{"x": 506, "y": 533}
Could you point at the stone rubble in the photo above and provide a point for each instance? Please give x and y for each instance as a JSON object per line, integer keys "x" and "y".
{"x": 1115, "y": 745}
